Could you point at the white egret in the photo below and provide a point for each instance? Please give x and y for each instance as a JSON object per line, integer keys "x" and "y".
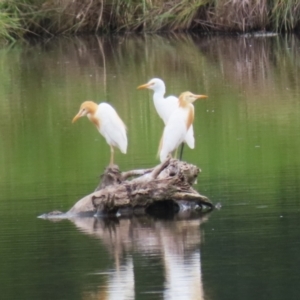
{"x": 178, "y": 124}
{"x": 108, "y": 123}
{"x": 166, "y": 106}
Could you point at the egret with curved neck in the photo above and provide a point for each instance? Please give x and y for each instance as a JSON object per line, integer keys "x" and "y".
{"x": 108, "y": 123}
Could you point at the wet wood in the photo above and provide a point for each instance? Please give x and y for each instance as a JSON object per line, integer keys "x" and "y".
{"x": 141, "y": 189}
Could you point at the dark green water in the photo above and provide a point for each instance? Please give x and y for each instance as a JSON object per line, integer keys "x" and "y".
{"x": 247, "y": 145}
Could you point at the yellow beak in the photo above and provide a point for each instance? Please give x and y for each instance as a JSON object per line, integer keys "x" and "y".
{"x": 76, "y": 117}
{"x": 143, "y": 86}
{"x": 201, "y": 96}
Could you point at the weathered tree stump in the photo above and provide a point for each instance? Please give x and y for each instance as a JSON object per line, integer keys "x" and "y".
{"x": 169, "y": 182}
{"x": 166, "y": 188}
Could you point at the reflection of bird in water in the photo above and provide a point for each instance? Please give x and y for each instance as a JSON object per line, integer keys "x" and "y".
{"x": 183, "y": 274}
{"x": 175, "y": 242}
{"x": 166, "y": 106}
{"x": 108, "y": 123}
{"x": 178, "y": 124}
{"x": 121, "y": 283}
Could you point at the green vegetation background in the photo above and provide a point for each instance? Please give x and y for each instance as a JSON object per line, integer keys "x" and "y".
{"x": 51, "y": 17}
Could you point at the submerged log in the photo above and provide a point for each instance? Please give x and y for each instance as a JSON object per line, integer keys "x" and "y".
{"x": 169, "y": 182}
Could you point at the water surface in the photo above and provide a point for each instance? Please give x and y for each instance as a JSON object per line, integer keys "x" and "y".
{"x": 247, "y": 145}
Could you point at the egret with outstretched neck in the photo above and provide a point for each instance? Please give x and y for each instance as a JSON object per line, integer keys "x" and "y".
{"x": 108, "y": 123}
{"x": 166, "y": 106}
{"x": 178, "y": 124}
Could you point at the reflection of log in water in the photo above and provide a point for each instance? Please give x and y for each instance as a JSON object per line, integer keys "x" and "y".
{"x": 145, "y": 233}
{"x": 176, "y": 241}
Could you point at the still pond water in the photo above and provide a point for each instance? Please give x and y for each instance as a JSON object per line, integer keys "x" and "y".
{"x": 247, "y": 145}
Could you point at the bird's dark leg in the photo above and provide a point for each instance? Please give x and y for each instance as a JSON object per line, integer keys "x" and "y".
{"x": 181, "y": 151}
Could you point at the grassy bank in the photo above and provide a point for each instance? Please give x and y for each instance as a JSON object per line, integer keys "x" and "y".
{"x": 21, "y": 17}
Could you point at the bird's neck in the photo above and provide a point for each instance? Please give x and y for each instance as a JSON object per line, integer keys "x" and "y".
{"x": 159, "y": 92}
{"x": 94, "y": 120}
{"x": 158, "y": 101}
{"x": 158, "y": 97}
{"x": 92, "y": 115}
{"x": 190, "y": 115}
{"x": 182, "y": 102}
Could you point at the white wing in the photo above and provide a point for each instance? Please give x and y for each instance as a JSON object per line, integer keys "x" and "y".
{"x": 174, "y": 133}
{"x": 165, "y": 106}
{"x": 189, "y": 137}
{"x": 112, "y": 127}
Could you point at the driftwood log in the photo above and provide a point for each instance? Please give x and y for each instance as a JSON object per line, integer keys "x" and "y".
{"x": 168, "y": 186}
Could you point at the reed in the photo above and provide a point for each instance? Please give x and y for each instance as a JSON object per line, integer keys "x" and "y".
{"x": 285, "y": 15}
{"x": 10, "y": 27}
{"x": 9, "y": 24}
{"x": 19, "y": 17}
